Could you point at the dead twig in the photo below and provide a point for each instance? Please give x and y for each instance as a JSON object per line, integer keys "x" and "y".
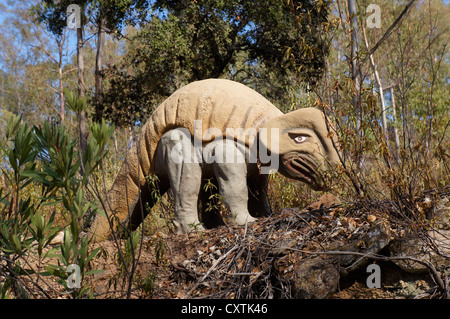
{"x": 214, "y": 266}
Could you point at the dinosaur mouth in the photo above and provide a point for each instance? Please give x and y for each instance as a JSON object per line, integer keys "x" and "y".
{"x": 304, "y": 168}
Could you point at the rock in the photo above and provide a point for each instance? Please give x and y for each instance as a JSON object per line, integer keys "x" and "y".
{"x": 411, "y": 289}
{"x": 410, "y": 246}
{"x": 441, "y": 214}
{"x": 326, "y": 200}
{"x": 377, "y": 237}
{"x": 414, "y": 245}
{"x": 58, "y": 239}
{"x": 315, "y": 279}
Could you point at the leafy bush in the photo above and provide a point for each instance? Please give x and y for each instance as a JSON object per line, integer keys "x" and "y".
{"x": 46, "y": 158}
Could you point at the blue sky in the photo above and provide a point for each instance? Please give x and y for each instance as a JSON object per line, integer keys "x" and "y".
{"x": 11, "y": 4}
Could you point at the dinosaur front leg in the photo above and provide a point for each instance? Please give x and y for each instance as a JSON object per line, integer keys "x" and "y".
{"x": 175, "y": 158}
{"x": 230, "y": 170}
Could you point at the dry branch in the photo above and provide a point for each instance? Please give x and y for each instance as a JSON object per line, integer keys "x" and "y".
{"x": 389, "y": 30}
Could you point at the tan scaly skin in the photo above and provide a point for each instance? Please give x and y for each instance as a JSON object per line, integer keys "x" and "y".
{"x": 304, "y": 150}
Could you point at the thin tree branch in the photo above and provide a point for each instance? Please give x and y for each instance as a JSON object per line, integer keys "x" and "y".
{"x": 70, "y": 70}
{"x": 389, "y": 30}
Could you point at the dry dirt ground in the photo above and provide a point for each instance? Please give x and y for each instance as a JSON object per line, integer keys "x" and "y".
{"x": 188, "y": 259}
{"x": 322, "y": 251}
{"x": 314, "y": 253}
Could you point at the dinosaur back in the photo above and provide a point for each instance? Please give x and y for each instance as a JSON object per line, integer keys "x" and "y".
{"x": 217, "y": 103}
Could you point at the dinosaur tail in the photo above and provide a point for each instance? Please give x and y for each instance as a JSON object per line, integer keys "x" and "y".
{"x": 123, "y": 196}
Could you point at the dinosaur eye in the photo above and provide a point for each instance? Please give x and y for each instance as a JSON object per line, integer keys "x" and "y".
{"x": 300, "y": 139}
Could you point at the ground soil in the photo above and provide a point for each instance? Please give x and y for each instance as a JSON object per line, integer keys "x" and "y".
{"x": 261, "y": 260}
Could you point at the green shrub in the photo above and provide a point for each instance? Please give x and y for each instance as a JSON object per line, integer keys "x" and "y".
{"x": 47, "y": 158}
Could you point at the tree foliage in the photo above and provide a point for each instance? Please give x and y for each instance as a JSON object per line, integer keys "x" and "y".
{"x": 118, "y": 13}
{"x": 269, "y": 45}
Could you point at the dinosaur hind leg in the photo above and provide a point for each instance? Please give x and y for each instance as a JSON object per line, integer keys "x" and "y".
{"x": 146, "y": 200}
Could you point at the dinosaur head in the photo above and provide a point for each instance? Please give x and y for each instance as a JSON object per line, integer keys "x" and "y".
{"x": 302, "y": 143}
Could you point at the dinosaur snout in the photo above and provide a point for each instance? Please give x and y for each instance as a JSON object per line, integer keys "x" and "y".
{"x": 305, "y": 168}
{"x": 300, "y": 167}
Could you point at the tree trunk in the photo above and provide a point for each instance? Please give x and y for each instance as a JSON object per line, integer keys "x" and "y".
{"x": 2, "y": 105}
{"x": 98, "y": 68}
{"x": 380, "y": 86}
{"x": 354, "y": 42}
{"x": 61, "y": 85}
{"x": 19, "y": 102}
{"x": 356, "y": 78}
{"x": 394, "y": 113}
{"x": 61, "y": 96}
{"x": 80, "y": 61}
{"x": 82, "y": 118}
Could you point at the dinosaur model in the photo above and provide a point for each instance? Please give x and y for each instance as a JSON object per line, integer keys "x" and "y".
{"x": 224, "y": 131}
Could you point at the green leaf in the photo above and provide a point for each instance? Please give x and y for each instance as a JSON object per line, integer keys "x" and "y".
{"x": 52, "y": 253}
{"x": 37, "y": 176}
{"x": 17, "y": 243}
{"x": 12, "y": 126}
{"x": 52, "y": 203}
{"x": 75, "y": 104}
{"x": 13, "y": 160}
{"x": 94, "y": 272}
{"x": 93, "y": 254}
{"x": 52, "y": 173}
